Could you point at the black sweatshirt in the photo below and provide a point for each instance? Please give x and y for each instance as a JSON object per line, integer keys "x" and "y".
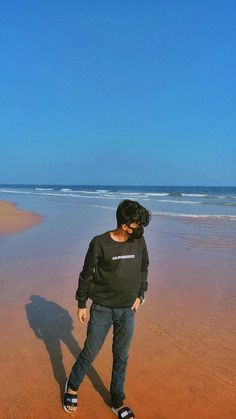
{"x": 114, "y": 273}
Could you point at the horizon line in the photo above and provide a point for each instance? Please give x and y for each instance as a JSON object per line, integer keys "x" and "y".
{"x": 101, "y": 184}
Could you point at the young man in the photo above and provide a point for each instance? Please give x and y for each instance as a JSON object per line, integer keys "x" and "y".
{"x": 114, "y": 277}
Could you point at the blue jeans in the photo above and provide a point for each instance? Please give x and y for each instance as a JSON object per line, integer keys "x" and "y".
{"x": 100, "y": 322}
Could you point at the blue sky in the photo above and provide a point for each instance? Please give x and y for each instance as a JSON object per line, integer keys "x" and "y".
{"x": 118, "y": 92}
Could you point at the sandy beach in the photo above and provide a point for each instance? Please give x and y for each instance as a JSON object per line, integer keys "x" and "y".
{"x": 13, "y": 219}
{"x": 103, "y": 103}
{"x": 182, "y": 361}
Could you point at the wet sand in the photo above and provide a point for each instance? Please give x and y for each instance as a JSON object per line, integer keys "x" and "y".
{"x": 182, "y": 361}
{"x": 14, "y": 220}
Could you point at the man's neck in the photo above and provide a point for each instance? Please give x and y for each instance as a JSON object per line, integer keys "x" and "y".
{"x": 119, "y": 235}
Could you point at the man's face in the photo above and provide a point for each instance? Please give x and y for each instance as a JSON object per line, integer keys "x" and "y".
{"x": 134, "y": 230}
{"x": 131, "y": 227}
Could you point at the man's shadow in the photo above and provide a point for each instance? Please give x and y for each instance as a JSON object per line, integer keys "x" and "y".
{"x": 53, "y": 324}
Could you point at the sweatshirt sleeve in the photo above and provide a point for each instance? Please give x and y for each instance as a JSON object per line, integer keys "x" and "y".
{"x": 144, "y": 270}
{"x": 87, "y": 273}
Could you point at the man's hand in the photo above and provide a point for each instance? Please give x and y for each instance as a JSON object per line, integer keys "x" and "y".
{"x": 82, "y": 315}
{"x": 136, "y": 304}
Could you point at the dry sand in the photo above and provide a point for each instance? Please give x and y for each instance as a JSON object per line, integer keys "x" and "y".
{"x": 13, "y": 219}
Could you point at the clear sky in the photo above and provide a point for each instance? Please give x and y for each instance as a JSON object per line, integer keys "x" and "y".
{"x": 135, "y": 92}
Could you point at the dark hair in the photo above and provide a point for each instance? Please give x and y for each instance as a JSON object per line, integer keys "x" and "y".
{"x": 132, "y": 212}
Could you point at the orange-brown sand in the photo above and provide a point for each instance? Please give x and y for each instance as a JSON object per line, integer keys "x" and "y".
{"x": 182, "y": 362}
{"x": 13, "y": 219}
{"x": 165, "y": 379}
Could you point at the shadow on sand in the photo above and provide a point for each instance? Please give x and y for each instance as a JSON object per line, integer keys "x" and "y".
{"x": 53, "y": 324}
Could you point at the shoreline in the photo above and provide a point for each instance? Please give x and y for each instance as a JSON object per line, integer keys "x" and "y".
{"x": 14, "y": 220}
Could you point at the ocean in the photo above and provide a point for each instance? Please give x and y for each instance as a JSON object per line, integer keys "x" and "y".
{"x": 216, "y": 203}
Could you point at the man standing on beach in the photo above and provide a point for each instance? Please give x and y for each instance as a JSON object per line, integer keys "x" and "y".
{"x": 114, "y": 277}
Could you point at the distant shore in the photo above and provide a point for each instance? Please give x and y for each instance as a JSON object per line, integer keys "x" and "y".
{"x": 14, "y": 220}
